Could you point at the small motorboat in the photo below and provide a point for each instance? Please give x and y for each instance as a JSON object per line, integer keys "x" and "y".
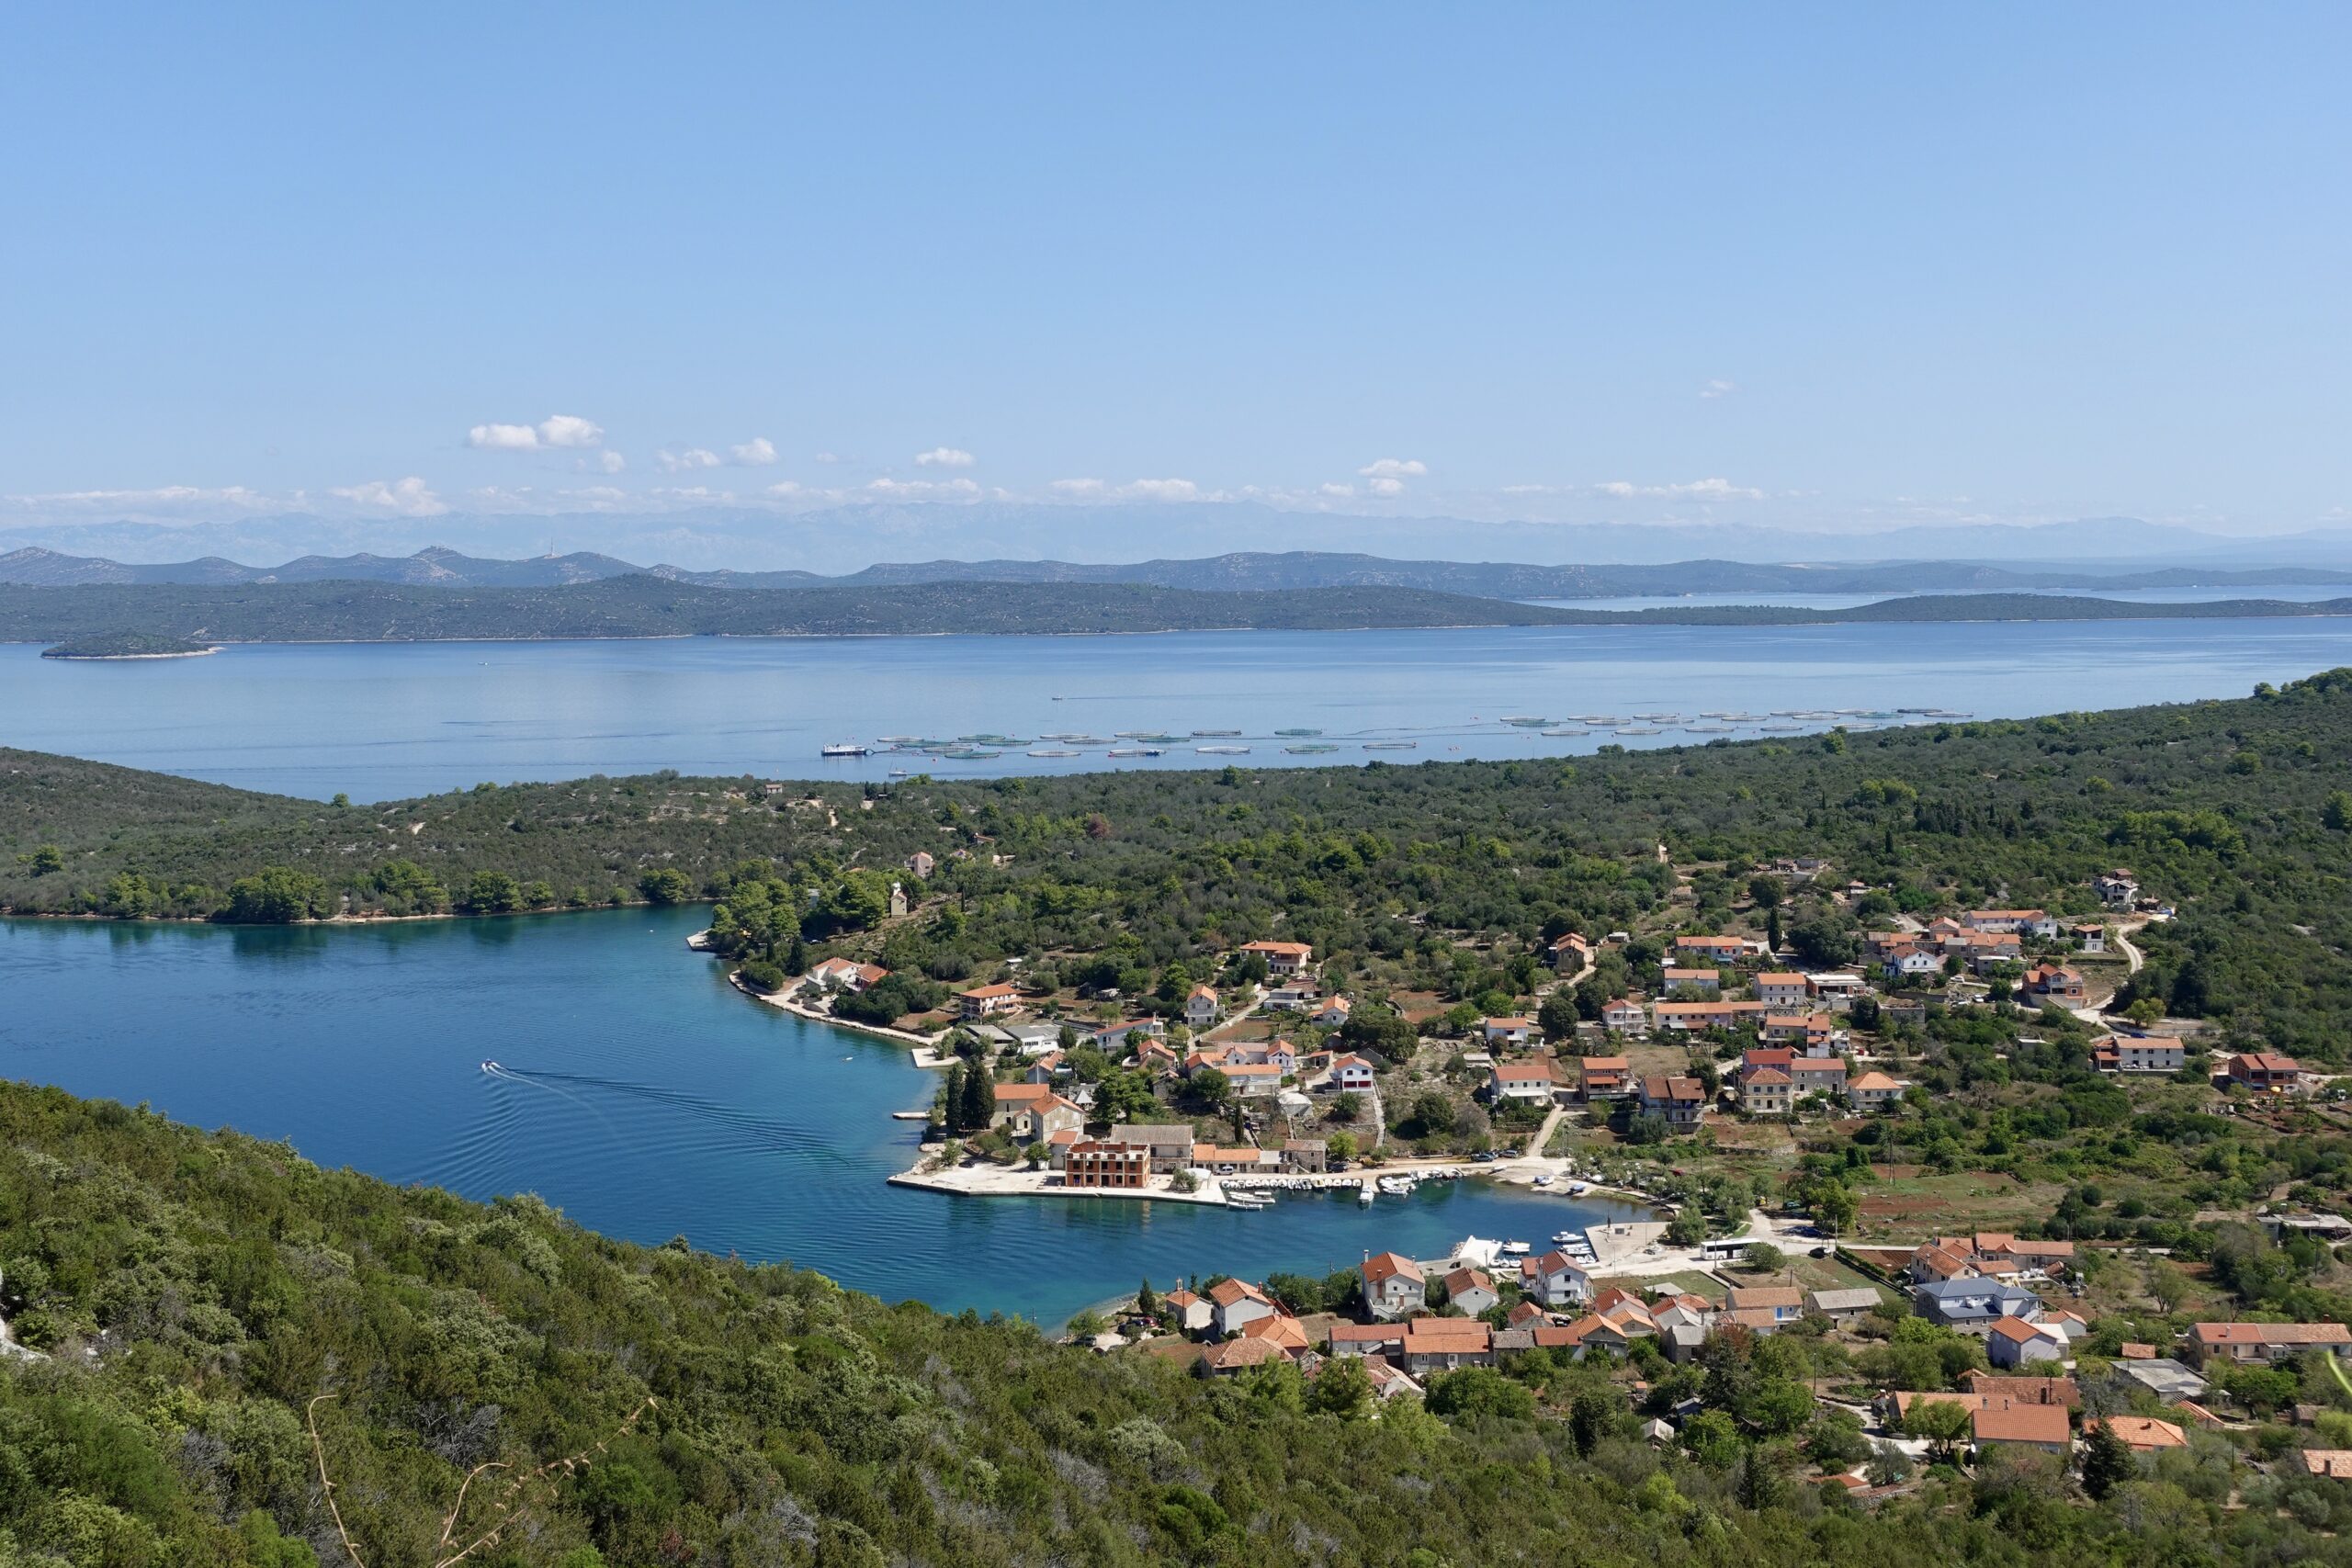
{"x": 1516, "y": 1249}
{"x": 1562, "y": 1239}
{"x": 490, "y": 1066}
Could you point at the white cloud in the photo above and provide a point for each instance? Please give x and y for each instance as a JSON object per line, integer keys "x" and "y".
{"x": 611, "y": 462}
{"x": 1386, "y": 487}
{"x": 136, "y": 500}
{"x": 1718, "y": 388}
{"x": 785, "y": 489}
{"x": 913, "y": 489}
{"x": 829, "y": 456}
{"x": 570, "y": 430}
{"x": 945, "y": 458}
{"x": 1395, "y": 468}
{"x": 555, "y": 430}
{"x": 691, "y": 458}
{"x": 408, "y": 497}
{"x": 756, "y": 453}
{"x": 1134, "y": 490}
{"x": 1339, "y": 489}
{"x": 1703, "y": 489}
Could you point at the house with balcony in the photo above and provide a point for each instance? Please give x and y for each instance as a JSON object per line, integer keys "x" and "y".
{"x": 1282, "y": 957}
{"x": 1522, "y": 1083}
{"x": 2139, "y": 1054}
{"x": 1681, "y": 1100}
{"x": 1603, "y": 1078}
{"x": 2265, "y": 1072}
{"x": 1393, "y": 1286}
{"x": 1706, "y": 981}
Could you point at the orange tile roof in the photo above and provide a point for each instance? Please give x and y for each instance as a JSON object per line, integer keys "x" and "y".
{"x": 2018, "y": 1331}
{"x": 2021, "y": 1424}
{"x": 1226, "y": 1292}
{"x": 1390, "y": 1265}
{"x": 1244, "y": 1351}
{"x": 2270, "y": 1334}
{"x": 2141, "y": 1432}
{"x": 1765, "y": 1296}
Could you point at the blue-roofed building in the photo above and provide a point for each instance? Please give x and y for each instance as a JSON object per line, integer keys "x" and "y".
{"x": 1972, "y": 1303}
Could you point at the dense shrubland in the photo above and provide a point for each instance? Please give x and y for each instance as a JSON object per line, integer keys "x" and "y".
{"x": 761, "y": 1415}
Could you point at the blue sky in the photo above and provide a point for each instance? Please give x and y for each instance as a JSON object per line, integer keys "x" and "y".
{"x": 1837, "y": 267}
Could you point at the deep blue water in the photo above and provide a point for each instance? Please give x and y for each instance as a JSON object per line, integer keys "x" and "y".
{"x": 638, "y": 1092}
{"x": 383, "y": 721}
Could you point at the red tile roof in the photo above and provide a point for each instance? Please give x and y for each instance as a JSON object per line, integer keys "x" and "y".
{"x": 2023, "y": 1423}
{"x": 1390, "y": 1265}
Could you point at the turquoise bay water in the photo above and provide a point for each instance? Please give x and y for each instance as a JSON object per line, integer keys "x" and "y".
{"x": 381, "y": 721}
{"x": 637, "y": 1092}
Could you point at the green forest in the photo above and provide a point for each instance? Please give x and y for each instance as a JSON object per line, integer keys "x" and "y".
{"x": 642, "y": 605}
{"x": 209, "y": 1302}
{"x": 2236, "y": 812}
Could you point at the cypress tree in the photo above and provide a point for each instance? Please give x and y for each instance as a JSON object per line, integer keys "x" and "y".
{"x": 980, "y": 1097}
{"x": 951, "y": 1099}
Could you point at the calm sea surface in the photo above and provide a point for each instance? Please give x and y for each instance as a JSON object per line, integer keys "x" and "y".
{"x": 637, "y": 1092}
{"x": 384, "y": 721}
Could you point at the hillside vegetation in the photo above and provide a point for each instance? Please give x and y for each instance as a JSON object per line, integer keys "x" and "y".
{"x": 2235, "y": 811}
{"x": 200, "y": 1295}
{"x": 642, "y": 605}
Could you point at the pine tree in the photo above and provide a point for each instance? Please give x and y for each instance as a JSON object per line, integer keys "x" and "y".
{"x": 1148, "y": 1299}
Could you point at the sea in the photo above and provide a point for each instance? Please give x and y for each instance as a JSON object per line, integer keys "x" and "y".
{"x": 384, "y": 721}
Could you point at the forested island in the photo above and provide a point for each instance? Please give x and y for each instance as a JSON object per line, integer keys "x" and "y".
{"x": 642, "y": 605}
{"x": 130, "y": 645}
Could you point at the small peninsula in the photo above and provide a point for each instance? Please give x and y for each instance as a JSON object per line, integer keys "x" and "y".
{"x": 130, "y": 645}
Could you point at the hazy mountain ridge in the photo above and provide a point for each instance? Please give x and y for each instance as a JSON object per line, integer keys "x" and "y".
{"x": 847, "y": 538}
{"x": 1239, "y": 571}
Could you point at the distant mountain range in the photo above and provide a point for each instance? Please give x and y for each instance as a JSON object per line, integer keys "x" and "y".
{"x": 844, "y": 539}
{"x": 1242, "y": 572}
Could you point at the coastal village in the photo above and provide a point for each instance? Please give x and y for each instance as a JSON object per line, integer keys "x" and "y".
{"x": 1689, "y": 1090}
